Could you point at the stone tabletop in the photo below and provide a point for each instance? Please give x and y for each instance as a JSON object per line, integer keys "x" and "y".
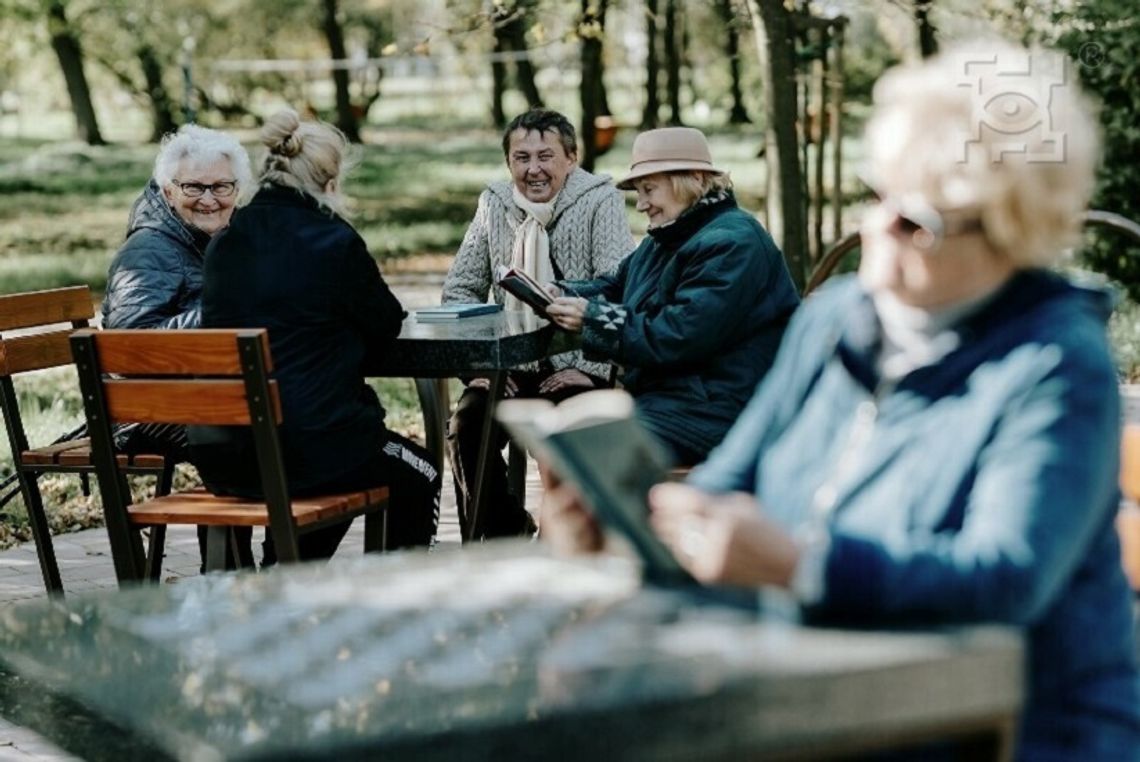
{"x": 530, "y": 655}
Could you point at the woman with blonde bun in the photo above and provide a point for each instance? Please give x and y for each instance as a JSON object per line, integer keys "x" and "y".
{"x": 291, "y": 263}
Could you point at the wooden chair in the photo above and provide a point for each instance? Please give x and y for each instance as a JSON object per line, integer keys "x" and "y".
{"x": 1128, "y": 518}
{"x": 43, "y": 320}
{"x": 212, "y": 377}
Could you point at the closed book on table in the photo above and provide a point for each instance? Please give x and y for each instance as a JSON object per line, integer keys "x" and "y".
{"x": 455, "y": 311}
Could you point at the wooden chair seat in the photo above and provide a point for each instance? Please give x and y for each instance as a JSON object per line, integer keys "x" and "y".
{"x": 200, "y": 506}
{"x": 76, "y": 455}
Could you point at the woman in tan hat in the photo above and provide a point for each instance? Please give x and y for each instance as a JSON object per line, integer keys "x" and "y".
{"x": 696, "y": 312}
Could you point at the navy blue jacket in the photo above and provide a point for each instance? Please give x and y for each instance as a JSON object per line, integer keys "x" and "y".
{"x": 305, "y": 275}
{"x": 695, "y": 315}
{"x": 155, "y": 279}
{"x": 984, "y": 491}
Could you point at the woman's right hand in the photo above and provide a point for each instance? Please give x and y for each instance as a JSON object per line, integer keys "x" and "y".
{"x": 552, "y": 290}
{"x": 564, "y": 521}
{"x": 567, "y": 312}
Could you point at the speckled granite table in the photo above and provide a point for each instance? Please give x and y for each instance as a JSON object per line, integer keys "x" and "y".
{"x": 485, "y": 344}
{"x": 530, "y": 657}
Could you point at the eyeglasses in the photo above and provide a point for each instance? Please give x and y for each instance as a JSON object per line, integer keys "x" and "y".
{"x": 217, "y": 190}
{"x": 926, "y": 226}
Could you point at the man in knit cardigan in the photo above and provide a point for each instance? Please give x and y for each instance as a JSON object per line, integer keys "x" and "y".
{"x": 554, "y": 220}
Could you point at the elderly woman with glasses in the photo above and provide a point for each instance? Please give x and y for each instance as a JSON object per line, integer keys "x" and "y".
{"x": 695, "y": 314}
{"x": 938, "y": 439}
{"x": 155, "y": 279}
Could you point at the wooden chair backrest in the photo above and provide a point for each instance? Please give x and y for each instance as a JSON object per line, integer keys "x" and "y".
{"x": 44, "y": 349}
{"x": 178, "y": 376}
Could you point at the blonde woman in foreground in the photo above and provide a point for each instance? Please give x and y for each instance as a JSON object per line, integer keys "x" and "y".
{"x": 937, "y": 442}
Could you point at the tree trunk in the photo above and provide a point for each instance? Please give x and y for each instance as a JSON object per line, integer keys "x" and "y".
{"x": 649, "y": 116}
{"x": 927, "y": 39}
{"x": 498, "y": 82}
{"x": 737, "y": 114}
{"x": 591, "y": 33}
{"x": 772, "y": 26}
{"x": 603, "y": 97}
{"x": 673, "y": 61}
{"x": 345, "y": 117}
{"x": 515, "y": 31}
{"x": 70, "y": 56}
{"x": 161, "y": 107}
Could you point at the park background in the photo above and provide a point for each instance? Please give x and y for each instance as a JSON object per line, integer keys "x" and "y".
{"x": 424, "y": 86}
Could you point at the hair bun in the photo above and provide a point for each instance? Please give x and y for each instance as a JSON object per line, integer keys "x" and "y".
{"x": 279, "y": 134}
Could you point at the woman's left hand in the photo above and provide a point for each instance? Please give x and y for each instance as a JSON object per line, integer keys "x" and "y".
{"x": 722, "y": 539}
{"x": 567, "y": 312}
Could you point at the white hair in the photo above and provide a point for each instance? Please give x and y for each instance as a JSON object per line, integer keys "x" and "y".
{"x": 993, "y": 128}
{"x": 201, "y": 146}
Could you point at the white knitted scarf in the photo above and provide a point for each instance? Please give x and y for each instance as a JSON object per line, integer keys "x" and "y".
{"x": 531, "y": 252}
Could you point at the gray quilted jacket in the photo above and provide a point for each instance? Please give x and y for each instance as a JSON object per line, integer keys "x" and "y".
{"x": 589, "y": 236}
{"x": 155, "y": 279}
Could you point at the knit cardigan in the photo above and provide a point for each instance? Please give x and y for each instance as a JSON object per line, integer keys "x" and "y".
{"x": 589, "y": 236}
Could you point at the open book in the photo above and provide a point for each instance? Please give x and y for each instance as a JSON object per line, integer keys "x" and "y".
{"x": 524, "y": 288}
{"x": 593, "y": 441}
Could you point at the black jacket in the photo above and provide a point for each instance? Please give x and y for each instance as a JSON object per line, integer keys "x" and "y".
{"x": 305, "y": 275}
{"x": 155, "y": 279}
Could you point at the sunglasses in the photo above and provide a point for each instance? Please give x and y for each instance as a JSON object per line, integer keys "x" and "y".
{"x": 917, "y": 219}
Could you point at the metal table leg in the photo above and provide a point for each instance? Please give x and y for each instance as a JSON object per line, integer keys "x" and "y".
{"x": 494, "y": 394}
{"x": 435, "y": 405}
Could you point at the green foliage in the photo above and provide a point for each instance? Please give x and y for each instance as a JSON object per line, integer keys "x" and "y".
{"x": 1102, "y": 38}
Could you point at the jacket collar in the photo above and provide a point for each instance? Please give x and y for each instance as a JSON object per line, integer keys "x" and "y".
{"x": 676, "y": 233}
{"x": 859, "y": 342}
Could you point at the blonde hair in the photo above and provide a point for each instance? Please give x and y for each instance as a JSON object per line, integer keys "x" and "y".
{"x": 200, "y": 146}
{"x": 305, "y": 156}
{"x": 691, "y": 185}
{"x": 953, "y": 129}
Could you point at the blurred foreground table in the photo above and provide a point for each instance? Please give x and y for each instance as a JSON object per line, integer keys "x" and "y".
{"x": 530, "y": 657}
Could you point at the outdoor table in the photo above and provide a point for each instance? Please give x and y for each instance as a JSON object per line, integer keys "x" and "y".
{"x": 487, "y": 345}
{"x": 500, "y": 652}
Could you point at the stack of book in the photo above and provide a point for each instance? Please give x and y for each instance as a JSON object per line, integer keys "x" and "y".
{"x": 454, "y": 311}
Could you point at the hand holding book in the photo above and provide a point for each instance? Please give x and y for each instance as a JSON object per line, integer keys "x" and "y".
{"x": 594, "y": 442}
{"x": 524, "y": 288}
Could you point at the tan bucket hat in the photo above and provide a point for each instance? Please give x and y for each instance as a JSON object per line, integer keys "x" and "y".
{"x": 669, "y": 149}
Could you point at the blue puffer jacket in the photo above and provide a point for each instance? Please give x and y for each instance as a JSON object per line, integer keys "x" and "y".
{"x": 695, "y": 315}
{"x": 155, "y": 279}
{"x": 983, "y": 489}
